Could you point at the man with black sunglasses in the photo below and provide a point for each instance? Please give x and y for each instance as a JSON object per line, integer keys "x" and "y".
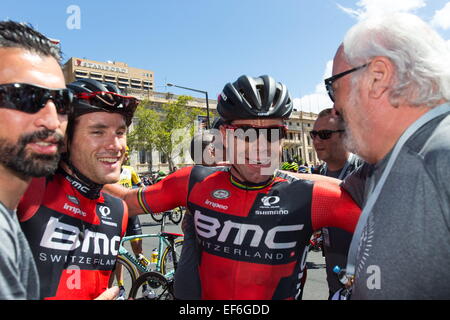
{"x": 246, "y": 230}
{"x": 73, "y": 228}
{"x": 327, "y": 137}
{"x": 34, "y": 103}
{"x": 390, "y": 86}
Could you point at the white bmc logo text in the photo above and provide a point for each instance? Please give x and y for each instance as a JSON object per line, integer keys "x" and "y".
{"x": 62, "y": 236}
{"x": 209, "y": 227}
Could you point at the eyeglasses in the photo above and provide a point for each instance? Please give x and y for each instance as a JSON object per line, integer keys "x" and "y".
{"x": 323, "y": 134}
{"x": 109, "y": 100}
{"x": 252, "y": 133}
{"x": 30, "y": 98}
{"x": 329, "y": 81}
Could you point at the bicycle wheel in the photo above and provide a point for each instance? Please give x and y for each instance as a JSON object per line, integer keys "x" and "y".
{"x": 176, "y": 215}
{"x": 151, "y": 286}
{"x": 158, "y": 217}
{"x": 129, "y": 273}
{"x": 167, "y": 259}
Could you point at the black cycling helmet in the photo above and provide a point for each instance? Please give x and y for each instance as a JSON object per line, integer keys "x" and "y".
{"x": 93, "y": 96}
{"x": 254, "y": 98}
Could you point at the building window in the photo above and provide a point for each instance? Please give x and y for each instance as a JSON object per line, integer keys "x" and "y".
{"x": 81, "y": 73}
{"x": 110, "y": 78}
{"x": 96, "y": 76}
{"x": 142, "y": 156}
{"x": 163, "y": 158}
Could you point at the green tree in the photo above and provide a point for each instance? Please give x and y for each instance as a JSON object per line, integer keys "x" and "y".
{"x": 159, "y": 128}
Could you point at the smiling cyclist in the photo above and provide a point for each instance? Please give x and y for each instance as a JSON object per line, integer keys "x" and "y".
{"x": 246, "y": 231}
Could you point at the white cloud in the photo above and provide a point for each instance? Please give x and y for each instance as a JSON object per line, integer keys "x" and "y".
{"x": 441, "y": 17}
{"x": 318, "y": 100}
{"x": 376, "y": 7}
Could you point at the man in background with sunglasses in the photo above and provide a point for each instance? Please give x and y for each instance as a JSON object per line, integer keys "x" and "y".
{"x": 34, "y": 103}
{"x": 73, "y": 228}
{"x": 327, "y": 136}
{"x": 252, "y": 228}
{"x": 391, "y": 87}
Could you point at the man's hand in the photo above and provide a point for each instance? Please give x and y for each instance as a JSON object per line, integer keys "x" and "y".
{"x": 109, "y": 294}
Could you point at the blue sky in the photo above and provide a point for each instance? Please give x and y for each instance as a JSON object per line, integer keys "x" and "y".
{"x": 204, "y": 44}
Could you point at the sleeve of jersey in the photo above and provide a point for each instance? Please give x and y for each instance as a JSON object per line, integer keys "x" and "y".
{"x": 169, "y": 193}
{"x": 332, "y": 206}
{"x": 31, "y": 200}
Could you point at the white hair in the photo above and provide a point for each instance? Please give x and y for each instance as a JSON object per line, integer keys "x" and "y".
{"x": 420, "y": 56}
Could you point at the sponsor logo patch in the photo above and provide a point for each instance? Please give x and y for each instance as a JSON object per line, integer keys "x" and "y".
{"x": 221, "y": 194}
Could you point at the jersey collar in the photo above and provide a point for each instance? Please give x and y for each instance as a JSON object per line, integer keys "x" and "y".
{"x": 89, "y": 191}
{"x": 248, "y": 185}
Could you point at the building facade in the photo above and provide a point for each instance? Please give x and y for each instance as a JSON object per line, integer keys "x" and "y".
{"x": 131, "y": 81}
{"x": 298, "y": 144}
{"x": 140, "y": 83}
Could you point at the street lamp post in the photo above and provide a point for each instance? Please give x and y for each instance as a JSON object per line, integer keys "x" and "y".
{"x": 208, "y": 125}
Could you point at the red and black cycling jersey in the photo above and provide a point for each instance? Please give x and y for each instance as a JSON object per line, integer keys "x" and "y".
{"x": 74, "y": 233}
{"x": 253, "y": 240}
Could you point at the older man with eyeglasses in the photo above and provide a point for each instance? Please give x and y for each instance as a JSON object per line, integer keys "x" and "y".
{"x": 391, "y": 87}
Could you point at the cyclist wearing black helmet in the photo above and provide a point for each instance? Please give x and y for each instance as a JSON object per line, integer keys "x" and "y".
{"x": 252, "y": 228}
{"x": 74, "y": 229}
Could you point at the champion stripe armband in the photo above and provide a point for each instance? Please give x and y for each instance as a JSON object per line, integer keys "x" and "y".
{"x": 142, "y": 203}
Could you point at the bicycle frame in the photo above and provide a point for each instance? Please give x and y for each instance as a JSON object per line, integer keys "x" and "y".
{"x": 163, "y": 243}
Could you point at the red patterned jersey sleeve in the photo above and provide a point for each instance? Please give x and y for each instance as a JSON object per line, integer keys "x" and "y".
{"x": 169, "y": 193}
{"x": 332, "y": 206}
{"x": 31, "y": 200}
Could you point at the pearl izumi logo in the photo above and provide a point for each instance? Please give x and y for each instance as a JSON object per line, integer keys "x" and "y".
{"x": 269, "y": 203}
{"x": 105, "y": 211}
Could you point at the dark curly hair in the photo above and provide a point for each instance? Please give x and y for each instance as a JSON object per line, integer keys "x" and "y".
{"x": 20, "y": 35}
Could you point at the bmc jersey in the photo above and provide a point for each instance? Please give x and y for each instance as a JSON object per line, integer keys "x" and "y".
{"x": 252, "y": 240}
{"x": 74, "y": 235}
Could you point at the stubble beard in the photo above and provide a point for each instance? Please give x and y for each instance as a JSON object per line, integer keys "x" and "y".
{"x": 16, "y": 158}
{"x": 350, "y": 140}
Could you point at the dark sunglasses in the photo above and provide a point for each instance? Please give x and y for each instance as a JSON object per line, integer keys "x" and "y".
{"x": 329, "y": 81}
{"x": 252, "y": 133}
{"x": 110, "y": 100}
{"x": 323, "y": 134}
{"x": 30, "y": 98}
